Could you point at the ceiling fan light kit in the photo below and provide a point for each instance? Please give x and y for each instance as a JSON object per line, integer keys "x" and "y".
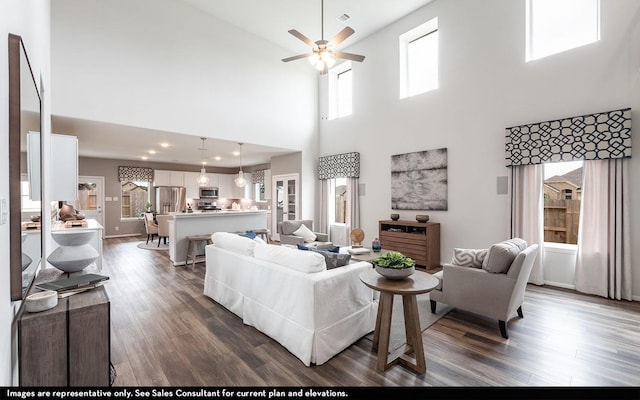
{"x": 322, "y": 55}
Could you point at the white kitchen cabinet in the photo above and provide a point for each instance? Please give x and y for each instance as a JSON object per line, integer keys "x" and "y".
{"x": 191, "y": 185}
{"x": 242, "y": 192}
{"x": 64, "y": 168}
{"x": 161, "y": 178}
{"x": 225, "y": 185}
{"x": 176, "y": 178}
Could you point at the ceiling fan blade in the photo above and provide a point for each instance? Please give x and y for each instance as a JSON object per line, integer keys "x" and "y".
{"x": 348, "y": 56}
{"x": 302, "y": 37}
{"x": 299, "y": 56}
{"x": 342, "y": 35}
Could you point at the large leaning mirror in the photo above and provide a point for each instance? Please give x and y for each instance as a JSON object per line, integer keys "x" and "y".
{"x": 25, "y": 184}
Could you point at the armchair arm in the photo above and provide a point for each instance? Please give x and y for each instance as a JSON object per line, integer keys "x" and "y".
{"x": 322, "y": 237}
{"x": 291, "y": 239}
{"x": 477, "y": 290}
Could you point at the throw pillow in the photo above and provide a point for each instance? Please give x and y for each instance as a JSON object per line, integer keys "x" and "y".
{"x": 469, "y": 257}
{"x": 500, "y": 257}
{"x": 334, "y": 260}
{"x": 301, "y": 247}
{"x": 303, "y": 261}
{"x": 233, "y": 242}
{"x": 249, "y": 234}
{"x": 305, "y": 233}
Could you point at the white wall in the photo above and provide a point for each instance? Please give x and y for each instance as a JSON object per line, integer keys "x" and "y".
{"x": 485, "y": 87}
{"x": 163, "y": 64}
{"x": 29, "y": 19}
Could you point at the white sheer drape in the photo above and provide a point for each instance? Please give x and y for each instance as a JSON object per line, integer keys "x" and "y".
{"x": 527, "y": 217}
{"x": 323, "y": 203}
{"x": 352, "y": 219}
{"x": 603, "y": 265}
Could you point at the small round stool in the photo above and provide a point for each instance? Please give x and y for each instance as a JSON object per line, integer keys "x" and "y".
{"x": 192, "y": 249}
{"x": 263, "y": 233}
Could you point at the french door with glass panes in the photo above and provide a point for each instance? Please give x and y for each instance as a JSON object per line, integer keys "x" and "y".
{"x": 285, "y": 195}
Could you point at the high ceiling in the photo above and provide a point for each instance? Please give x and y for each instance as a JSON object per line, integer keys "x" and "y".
{"x": 270, "y": 20}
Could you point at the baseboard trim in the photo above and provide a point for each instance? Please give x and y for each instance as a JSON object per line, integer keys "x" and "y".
{"x": 120, "y": 236}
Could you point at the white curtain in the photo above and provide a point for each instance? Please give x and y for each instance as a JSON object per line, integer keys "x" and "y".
{"x": 352, "y": 219}
{"x": 527, "y": 217}
{"x": 323, "y": 203}
{"x": 603, "y": 265}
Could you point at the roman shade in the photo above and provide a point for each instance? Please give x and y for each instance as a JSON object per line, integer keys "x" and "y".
{"x": 598, "y": 136}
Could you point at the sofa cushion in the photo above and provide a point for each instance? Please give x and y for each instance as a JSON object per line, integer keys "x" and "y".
{"x": 334, "y": 260}
{"x": 234, "y": 242}
{"x": 500, "y": 256}
{"x": 305, "y": 233}
{"x": 303, "y": 261}
{"x": 469, "y": 257}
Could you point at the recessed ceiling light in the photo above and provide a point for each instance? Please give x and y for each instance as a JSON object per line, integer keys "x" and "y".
{"x": 236, "y": 153}
{"x": 152, "y": 152}
{"x": 164, "y": 144}
{"x": 144, "y": 157}
{"x": 217, "y": 158}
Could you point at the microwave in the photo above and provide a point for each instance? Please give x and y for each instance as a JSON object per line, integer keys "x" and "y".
{"x": 208, "y": 193}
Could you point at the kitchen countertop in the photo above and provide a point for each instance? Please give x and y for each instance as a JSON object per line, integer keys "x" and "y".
{"x": 218, "y": 213}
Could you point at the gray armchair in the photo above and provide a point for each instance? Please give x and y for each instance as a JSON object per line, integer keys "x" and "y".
{"x": 287, "y": 228}
{"x": 496, "y": 295}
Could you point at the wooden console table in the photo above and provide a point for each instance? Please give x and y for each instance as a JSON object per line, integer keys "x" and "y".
{"x": 418, "y": 283}
{"x": 418, "y": 240}
{"x": 68, "y": 345}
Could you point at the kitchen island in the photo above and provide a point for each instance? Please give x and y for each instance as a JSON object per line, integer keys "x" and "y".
{"x": 206, "y": 223}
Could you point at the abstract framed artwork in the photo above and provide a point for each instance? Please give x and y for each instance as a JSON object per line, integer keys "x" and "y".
{"x": 419, "y": 180}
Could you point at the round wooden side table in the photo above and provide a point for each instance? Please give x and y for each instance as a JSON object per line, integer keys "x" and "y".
{"x": 418, "y": 283}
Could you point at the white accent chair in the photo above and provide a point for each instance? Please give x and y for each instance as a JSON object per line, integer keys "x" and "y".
{"x": 163, "y": 227}
{"x": 497, "y": 295}
{"x": 287, "y": 228}
{"x": 150, "y": 226}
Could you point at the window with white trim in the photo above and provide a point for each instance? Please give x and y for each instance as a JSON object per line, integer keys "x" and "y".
{"x": 419, "y": 59}
{"x": 337, "y": 200}
{"x": 135, "y": 198}
{"x": 340, "y": 90}
{"x": 554, "y": 26}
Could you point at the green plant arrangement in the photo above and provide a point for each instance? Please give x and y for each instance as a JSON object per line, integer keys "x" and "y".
{"x": 394, "y": 260}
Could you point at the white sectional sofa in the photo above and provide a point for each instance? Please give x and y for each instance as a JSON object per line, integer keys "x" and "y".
{"x": 289, "y": 295}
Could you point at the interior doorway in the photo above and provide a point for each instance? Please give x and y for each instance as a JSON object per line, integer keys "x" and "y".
{"x": 90, "y": 200}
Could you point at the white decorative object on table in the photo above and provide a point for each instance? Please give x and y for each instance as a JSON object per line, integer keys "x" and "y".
{"x": 75, "y": 253}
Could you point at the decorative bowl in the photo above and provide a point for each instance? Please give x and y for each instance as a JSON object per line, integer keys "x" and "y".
{"x": 395, "y": 217}
{"x": 422, "y": 218}
{"x": 395, "y": 273}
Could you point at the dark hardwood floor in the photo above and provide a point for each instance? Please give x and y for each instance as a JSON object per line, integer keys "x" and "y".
{"x": 165, "y": 332}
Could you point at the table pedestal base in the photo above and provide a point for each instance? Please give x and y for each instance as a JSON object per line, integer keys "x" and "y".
{"x": 382, "y": 332}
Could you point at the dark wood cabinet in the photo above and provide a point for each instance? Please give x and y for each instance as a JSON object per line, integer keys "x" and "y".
{"x": 418, "y": 240}
{"x": 68, "y": 345}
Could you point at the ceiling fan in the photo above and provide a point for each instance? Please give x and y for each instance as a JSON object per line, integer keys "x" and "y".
{"x": 322, "y": 55}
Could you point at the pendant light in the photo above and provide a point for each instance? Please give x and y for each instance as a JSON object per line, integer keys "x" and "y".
{"x": 203, "y": 179}
{"x": 240, "y": 181}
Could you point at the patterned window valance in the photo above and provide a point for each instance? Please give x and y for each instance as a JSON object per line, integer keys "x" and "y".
{"x": 135, "y": 174}
{"x": 257, "y": 176}
{"x": 346, "y": 165}
{"x": 587, "y": 137}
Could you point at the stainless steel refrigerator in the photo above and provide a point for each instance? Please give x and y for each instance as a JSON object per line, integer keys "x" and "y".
{"x": 170, "y": 199}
